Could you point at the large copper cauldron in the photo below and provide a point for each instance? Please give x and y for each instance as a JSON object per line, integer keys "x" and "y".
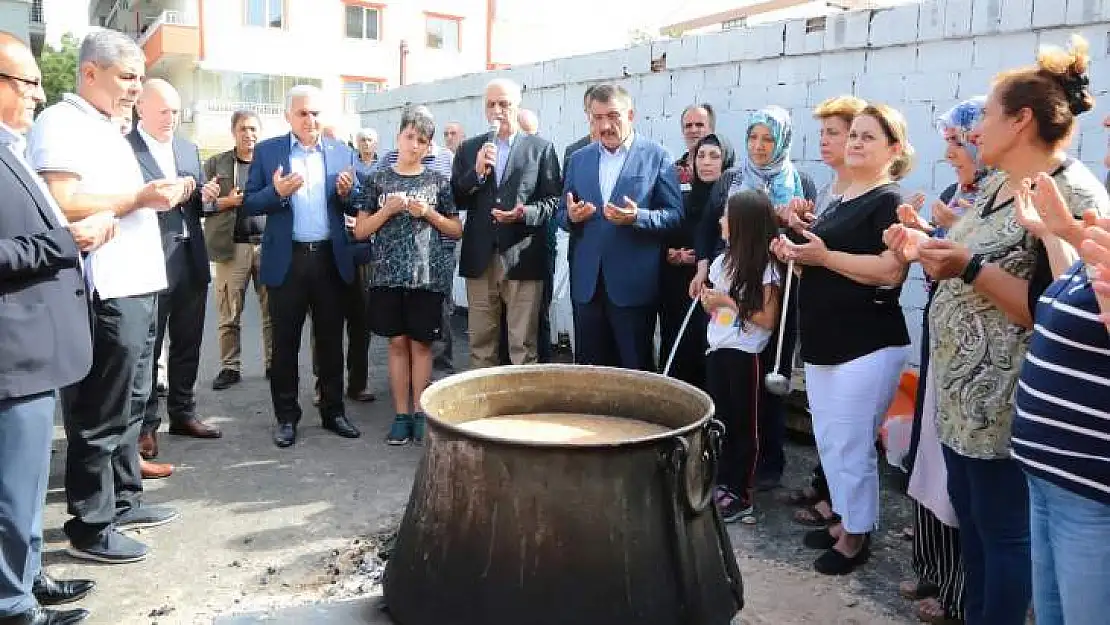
{"x": 525, "y": 533}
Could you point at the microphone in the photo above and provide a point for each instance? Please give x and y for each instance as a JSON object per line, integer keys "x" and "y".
{"x": 494, "y": 128}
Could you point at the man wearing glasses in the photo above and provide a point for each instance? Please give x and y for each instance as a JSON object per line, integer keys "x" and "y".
{"x": 509, "y": 184}
{"x": 306, "y": 259}
{"x": 46, "y": 344}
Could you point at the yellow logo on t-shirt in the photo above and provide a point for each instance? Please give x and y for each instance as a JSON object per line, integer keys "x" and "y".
{"x": 724, "y": 317}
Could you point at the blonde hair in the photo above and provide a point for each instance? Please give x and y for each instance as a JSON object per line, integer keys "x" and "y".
{"x": 894, "y": 127}
{"x": 1056, "y": 90}
{"x": 845, "y": 107}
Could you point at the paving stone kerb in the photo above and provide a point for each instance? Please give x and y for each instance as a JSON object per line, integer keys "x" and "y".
{"x": 921, "y": 58}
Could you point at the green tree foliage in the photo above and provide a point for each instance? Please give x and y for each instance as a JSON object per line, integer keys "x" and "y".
{"x": 59, "y": 68}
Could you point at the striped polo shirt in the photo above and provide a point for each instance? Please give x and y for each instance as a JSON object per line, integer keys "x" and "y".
{"x": 1061, "y": 430}
{"x": 439, "y": 159}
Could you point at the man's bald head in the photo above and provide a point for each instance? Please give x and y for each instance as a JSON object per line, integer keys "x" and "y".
{"x": 159, "y": 107}
{"x": 21, "y": 88}
{"x": 529, "y": 122}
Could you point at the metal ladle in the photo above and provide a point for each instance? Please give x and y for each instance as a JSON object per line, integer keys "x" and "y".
{"x": 776, "y": 382}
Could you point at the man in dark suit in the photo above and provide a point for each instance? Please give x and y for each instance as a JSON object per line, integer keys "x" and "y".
{"x": 181, "y": 305}
{"x": 586, "y": 140}
{"x": 621, "y": 193}
{"x": 302, "y": 182}
{"x": 46, "y": 345}
{"x": 509, "y": 186}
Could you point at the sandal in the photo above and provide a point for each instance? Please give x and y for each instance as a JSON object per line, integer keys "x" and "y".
{"x": 916, "y": 591}
{"x": 801, "y": 497}
{"x": 810, "y": 516}
{"x": 930, "y": 610}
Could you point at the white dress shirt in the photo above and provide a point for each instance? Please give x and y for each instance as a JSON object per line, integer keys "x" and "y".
{"x": 310, "y": 202}
{"x": 162, "y": 151}
{"x": 609, "y": 169}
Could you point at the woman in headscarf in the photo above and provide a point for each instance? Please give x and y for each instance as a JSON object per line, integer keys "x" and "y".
{"x": 768, "y": 168}
{"x": 937, "y": 563}
{"x": 711, "y": 156}
{"x": 992, "y": 272}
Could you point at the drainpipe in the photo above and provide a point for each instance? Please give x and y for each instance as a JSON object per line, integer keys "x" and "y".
{"x": 404, "y": 62}
{"x": 491, "y": 16}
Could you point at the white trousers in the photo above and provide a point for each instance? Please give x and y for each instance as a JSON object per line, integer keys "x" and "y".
{"x": 848, "y": 402}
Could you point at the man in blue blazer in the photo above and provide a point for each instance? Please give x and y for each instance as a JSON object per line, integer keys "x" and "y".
{"x": 302, "y": 181}
{"x": 620, "y": 194}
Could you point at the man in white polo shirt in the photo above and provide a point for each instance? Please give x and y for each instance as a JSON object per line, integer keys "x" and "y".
{"x": 89, "y": 168}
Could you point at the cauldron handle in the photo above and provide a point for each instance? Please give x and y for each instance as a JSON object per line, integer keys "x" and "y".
{"x": 713, "y": 433}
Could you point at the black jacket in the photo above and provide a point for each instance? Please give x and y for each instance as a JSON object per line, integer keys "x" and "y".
{"x": 531, "y": 178}
{"x": 45, "y": 324}
{"x": 183, "y": 258}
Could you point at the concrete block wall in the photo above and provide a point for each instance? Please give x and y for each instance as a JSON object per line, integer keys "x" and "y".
{"x": 921, "y": 58}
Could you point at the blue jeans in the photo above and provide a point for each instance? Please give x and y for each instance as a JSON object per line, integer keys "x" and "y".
{"x": 26, "y": 428}
{"x": 1071, "y": 556}
{"x": 991, "y": 501}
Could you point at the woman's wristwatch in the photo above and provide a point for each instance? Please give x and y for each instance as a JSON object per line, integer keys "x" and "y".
{"x": 974, "y": 266}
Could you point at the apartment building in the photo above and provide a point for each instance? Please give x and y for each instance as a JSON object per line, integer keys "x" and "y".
{"x": 23, "y": 18}
{"x": 224, "y": 55}
{"x": 702, "y": 16}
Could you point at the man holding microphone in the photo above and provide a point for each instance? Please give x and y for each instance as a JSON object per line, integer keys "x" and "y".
{"x": 509, "y": 193}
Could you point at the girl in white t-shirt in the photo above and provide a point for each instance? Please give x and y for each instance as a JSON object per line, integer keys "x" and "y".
{"x": 743, "y": 306}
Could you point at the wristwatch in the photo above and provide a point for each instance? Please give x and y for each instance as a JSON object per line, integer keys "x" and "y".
{"x": 971, "y": 271}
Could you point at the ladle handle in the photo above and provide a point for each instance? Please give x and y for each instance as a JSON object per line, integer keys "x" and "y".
{"x": 782, "y": 316}
{"x": 678, "y": 337}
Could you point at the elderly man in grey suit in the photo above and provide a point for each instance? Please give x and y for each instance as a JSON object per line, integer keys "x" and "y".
{"x": 46, "y": 344}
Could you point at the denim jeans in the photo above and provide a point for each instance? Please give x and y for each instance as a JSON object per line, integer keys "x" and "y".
{"x": 1071, "y": 556}
{"x": 991, "y": 501}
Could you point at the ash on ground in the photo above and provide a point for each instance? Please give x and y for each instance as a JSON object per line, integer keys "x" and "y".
{"x": 357, "y": 570}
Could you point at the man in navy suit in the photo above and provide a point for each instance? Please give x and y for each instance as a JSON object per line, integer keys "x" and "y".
{"x": 620, "y": 194}
{"x": 181, "y": 305}
{"x": 302, "y": 181}
{"x": 47, "y": 344}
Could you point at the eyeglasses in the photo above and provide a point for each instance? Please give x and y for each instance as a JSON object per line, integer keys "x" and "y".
{"x": 33, "y": 83}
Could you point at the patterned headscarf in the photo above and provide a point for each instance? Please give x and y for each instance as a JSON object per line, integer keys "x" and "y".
{"x": 778, "y": 178}
{"x": 962, "y": 118}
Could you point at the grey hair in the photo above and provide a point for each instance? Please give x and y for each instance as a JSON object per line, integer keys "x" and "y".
{"x": 301, "y": 91}
{"x": 367, "y": 133}
{"x": 509, "y": 86}
{"x": 242, "y": 114}
{"x": 420, "y": 119}
{"x": 105, "y": 48}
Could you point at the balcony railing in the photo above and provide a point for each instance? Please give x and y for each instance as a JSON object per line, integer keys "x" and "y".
{"x": 225, "y": 106}
{"x": 36, "y": 12}
{"x": 171, "y": 18}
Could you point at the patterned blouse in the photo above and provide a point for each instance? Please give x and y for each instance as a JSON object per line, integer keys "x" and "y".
{"x": 408, "y": 252}
{"x": 977, "y": 352}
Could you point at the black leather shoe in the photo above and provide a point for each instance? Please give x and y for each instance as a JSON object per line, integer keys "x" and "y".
{"x": 285, "y": 435}
{"x": 225, "y": 378}
{"x": 50, "y": 591}
{"x": 43, "y": 616}
{"x": 341, "y": 426}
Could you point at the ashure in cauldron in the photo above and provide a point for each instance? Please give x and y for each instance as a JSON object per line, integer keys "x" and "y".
{"x": 512, "y": 532}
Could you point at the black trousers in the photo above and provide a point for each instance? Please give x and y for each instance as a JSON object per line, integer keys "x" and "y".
{"x": 103, "y": 415}
{"x": 937, "y": 560}
{"x": 674, "y": 301}
{"x": 355, "y": 301}
{"x": 181, "y": 313}
{"x": 311, "y": 284}
{"x": 735, "y": 379}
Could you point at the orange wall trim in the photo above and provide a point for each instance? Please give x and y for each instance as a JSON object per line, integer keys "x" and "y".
{"x": 200, "y": 30}
{"x": 377, "y": 79}
{"x": 171, "y": 39}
